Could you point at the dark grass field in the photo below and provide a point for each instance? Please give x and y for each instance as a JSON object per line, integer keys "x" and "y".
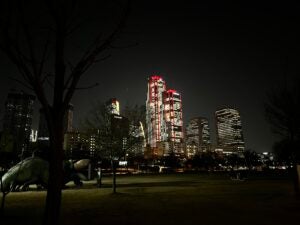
{"x": 165, "y": 199}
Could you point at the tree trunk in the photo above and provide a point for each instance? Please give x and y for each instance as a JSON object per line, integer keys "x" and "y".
{"x": 55, "y": 182}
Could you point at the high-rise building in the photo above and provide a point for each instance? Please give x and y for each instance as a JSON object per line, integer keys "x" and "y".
{"x": 173, "y": 120}
{"x": 136, "y": 130}
{"x": 79, "y": 145}
{"x": 156, "y": 127}
{"x": 163, "y": 119}
{"x": 197, "y": 136}
{"x": 113, "y": 106}
{"x": 17, "y": 119}
{"x": 229, "y": 130}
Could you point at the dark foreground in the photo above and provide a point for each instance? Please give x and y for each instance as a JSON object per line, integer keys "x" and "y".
{"x": 181, "y": 199}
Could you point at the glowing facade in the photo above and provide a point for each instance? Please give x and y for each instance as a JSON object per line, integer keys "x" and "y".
{"x": 173, "y": 121}
{"x": 164, "y": 119}
{"x": 197, "y": 136}
{"x": 33, "y": 135}
{"x": 229, "y": 130}
{"x": 78, "y": 145}
{"x": 154, "y": 111}
{"x": 114, "y": 106}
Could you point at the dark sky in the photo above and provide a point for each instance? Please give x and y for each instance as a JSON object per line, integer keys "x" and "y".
{"x": 216, "y": 55}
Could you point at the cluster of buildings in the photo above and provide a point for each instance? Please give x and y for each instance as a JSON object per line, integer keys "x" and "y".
{"x": 17, "y": 132}
{"x": 17, "y": 136}
{"x": 164, "y": 134}
{"x": 164, "y": 120}
{"x": 91, "y": 142}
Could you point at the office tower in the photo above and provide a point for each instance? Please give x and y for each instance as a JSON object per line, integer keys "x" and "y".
{"x": 173, "y": 120}
{"x": 163, "y": 119}
{"x": 156, "y": 127}
{"x": 119, "y": 125}
{"x": 79, "y": 145}
{"x": 17, "y": 119}
{"x": 197, "y": 136}
{"x": 229, "y": 130}
{"x": 72, "y": 141}
{"x": 113, "y": 106}
{"x": 136, "y": 130}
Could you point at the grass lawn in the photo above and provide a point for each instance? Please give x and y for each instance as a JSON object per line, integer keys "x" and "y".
{"x": 183, "y": 199}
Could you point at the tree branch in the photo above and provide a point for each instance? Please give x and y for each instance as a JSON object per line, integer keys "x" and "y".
{"x": 28, "y": 37}
{"x": 89, "y": 57}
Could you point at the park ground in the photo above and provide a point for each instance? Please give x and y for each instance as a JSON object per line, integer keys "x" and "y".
{"x": 184, "y": 199}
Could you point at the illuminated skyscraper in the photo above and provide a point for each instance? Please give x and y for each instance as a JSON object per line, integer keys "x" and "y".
{"x": 173, "y": 120}
{"x": 17, "y": 119}
{"x": 197, "y": 136}
{"x": 156, "y": 130}
{"x": 164, "y": 119}
{"x": 113, "y": 106}
{"x": 229, "y": 130}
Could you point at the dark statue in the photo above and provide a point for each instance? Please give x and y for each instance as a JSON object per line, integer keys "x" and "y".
{"x": 34, "y": 170}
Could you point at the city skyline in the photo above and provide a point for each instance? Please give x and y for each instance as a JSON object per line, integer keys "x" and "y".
{"x": 212, "y": 86}
{"x": 215, "y": 56}
{"x": 164, "y": 123}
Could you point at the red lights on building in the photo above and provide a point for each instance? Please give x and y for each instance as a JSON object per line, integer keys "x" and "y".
{"x": 171, "y": 91}
{"x": 156, "y": 87}
{"x": 164, "y": 117}
{"x": 155, "y": 77}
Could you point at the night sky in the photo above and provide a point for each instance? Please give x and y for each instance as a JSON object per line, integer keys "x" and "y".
{"x": 216, "y": 55}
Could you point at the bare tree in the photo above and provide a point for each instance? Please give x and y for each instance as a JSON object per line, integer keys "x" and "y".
{"x": 35, "y": 36}
{"x": 115, "y": 135}
{"x": 282, "y": 111}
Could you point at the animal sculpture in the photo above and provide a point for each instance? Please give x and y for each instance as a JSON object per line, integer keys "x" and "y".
{"x": 34, "y": 170}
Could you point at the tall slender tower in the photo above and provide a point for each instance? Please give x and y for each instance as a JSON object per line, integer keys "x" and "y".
{"x": 229, "y": 130}
{"x": 154, "y": 110}
{"x": 173, "y": 121}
